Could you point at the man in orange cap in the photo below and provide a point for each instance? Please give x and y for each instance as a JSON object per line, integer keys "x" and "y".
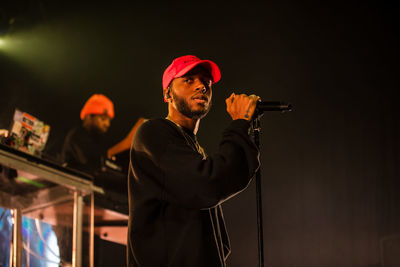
{"x": 97, "y": 113}
{"x": 86, "y": 149}
{"x": 175, "y": 189}
{"x": 85, "y": 145}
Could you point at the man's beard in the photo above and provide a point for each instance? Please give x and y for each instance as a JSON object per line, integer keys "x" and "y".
{"x": 94, "y": 129}
{"x": 183, "y": 107}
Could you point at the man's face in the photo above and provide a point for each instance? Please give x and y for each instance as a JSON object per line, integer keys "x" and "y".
{"x": 191, "y": 94}
{"x": 100, "y": 123}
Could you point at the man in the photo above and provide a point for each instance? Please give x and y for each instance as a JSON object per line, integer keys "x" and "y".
{"x": 175, "y": 189}
{"x": 86, "y": 149}
{"x": 85, "y": 146}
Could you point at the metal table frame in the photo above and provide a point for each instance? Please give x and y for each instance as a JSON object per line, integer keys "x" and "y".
{"x": 67, "y": 182}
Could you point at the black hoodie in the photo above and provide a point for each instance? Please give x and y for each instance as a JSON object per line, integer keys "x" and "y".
{"x": 175, "y": 194}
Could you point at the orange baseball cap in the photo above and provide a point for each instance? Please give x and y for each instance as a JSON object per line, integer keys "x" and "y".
{"x": 182, "y": 65}
{"x": 98, "y": 104}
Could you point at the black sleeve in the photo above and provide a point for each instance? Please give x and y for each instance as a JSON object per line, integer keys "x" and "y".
{"x": 186, "y": 178}
{"x": 67, "y": 151}
{"x": 71, "y": 154}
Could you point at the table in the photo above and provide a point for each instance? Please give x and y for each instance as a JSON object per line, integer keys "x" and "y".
{"x": 38, "y": 187}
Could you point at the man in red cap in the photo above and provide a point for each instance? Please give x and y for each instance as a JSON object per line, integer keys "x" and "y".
{"x": 175, "y": 189}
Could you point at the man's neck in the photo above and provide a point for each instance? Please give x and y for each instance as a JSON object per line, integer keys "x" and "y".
{"x": 91, "y": 129}
{"x": 180, "y": 119}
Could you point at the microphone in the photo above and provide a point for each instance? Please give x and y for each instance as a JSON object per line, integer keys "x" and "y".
{"x": 271, "y": 106}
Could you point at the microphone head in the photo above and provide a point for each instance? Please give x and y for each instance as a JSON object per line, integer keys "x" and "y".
{"x": 271, "y": 106}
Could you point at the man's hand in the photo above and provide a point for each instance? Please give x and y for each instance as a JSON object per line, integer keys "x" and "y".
{"x": 241, "y": 106}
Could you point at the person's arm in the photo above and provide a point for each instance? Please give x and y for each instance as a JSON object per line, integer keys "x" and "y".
{"x": 66, "y": 150}
{"x": 125, "y": 144}
{"x": 71, "y": 153}
{"x": 182, "y": 176}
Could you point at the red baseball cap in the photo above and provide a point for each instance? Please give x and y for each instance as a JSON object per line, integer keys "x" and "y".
{"x": 98, "y": 104}
{"x": 182, "y": 65}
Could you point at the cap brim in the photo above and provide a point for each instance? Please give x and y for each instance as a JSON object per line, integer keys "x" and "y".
{"x": 212, "y": 67}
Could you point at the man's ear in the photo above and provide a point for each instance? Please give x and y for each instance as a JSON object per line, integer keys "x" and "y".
{"x": 87, "y": 120}
{"x": 167, "y": 94}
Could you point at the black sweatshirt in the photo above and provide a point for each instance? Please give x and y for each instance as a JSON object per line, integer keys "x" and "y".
{"x": 175, "y": 194}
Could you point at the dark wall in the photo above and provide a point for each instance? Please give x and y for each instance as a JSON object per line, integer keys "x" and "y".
{"x": 330, "y": 168}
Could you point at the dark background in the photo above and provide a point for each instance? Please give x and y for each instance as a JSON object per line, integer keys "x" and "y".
{"x": 330, "y": 168}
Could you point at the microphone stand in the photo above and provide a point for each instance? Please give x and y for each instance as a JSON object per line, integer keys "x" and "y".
{"x": 256, "y": 125}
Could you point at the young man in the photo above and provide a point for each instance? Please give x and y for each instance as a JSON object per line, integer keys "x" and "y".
{"x": 175, "y": 189}
{"x": 85, "y": 145}
{"x": 85, "y": 148}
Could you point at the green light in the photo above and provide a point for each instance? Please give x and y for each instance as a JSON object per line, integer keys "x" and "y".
{"x": 29, "y": 181}
{"x": 2, "y": 42}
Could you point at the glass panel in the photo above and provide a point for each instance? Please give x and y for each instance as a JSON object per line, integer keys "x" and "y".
{"x": 40, "y": 246}
{"x": 43, "y": 194}
{"x": 47, "y": 235}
